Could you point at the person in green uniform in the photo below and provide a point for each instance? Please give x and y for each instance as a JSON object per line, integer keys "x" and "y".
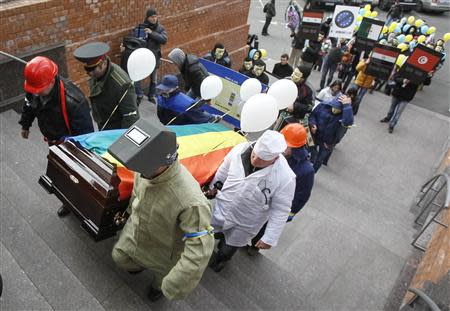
{"x": 112, "y": 94}
{"x": 168, "y": 230}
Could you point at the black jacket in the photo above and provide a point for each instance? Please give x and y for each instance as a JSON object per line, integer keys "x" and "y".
{"x": 406, "y": 92}
{"x": 50, "y": 116}
{"x": 311, "y": 53}
{"x": 335, "y": 55}
{"x": 304, "y": 101}
{"x": 269, "y": 9}
{"x": 224, "y": 61}
{"x": 155, "y": 39}
{"x": 264, "y": 78}
{"x": 282, "y": 71}
{"x": 395, "y": 11}
{"x": 193, "y": 73}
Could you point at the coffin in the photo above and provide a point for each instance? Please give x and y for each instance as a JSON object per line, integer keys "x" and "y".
{"x": 96, "y": 188}
{"x": 87, "y": 185}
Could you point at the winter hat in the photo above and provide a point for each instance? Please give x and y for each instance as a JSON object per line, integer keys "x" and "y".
{"x": 151, "y": 12}
{"x": 270, "y": 145}
{"x": 177, "y": 56}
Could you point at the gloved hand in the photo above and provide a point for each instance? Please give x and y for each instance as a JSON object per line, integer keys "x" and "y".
{"x": 290, "y": 217}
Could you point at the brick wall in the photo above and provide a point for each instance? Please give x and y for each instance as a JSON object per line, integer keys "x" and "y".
{"x": 194, "y": 25}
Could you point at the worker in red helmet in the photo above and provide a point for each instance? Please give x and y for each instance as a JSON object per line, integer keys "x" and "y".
{"x": 59, "y": 106}
{"x": 297, "y": 157}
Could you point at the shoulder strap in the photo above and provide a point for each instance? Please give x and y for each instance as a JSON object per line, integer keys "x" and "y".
{"x": 63, "y": 106}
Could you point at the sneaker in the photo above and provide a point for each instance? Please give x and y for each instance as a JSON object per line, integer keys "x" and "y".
{"x": 214, "y": 264}
{"x": 154, "y": 294}
{"x": 384, "y": 120}
{"x": 391, "y": 130}
{"x": 252, "y": 250}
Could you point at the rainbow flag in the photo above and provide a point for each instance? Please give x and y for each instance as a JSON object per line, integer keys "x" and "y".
{"x": 201, "y": 150}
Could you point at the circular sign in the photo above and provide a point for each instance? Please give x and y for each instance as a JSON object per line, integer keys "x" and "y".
{"x": 344, "y": 19}
{"x": 423, "y": 60}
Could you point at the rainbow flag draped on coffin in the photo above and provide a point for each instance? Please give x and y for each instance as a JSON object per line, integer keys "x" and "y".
{"x": 201, "y": 150}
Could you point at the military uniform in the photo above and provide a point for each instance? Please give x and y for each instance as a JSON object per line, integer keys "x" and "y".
{"x": 165, "y": 211}
{"x": 107, "y": 91}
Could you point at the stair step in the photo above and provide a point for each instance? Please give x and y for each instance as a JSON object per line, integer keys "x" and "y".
{"x": 56, "y": 283}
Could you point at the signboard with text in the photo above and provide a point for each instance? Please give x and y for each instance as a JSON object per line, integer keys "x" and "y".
{"x": 382, "y": 61}
{"x": 344, "y": 21}
{"x": 368, "y": 33}
{"x": 228, "y": 103}
{"x": 310, "y": 26}
{"x": 419, "y": 64}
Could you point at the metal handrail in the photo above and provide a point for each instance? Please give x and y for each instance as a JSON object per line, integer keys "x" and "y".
{"x": 433, "y": 306}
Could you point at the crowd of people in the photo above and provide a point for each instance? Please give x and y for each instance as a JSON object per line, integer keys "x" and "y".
{"x": 259, "y": 187}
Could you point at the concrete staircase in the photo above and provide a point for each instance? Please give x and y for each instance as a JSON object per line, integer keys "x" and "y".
{"x": 51, "y": 263}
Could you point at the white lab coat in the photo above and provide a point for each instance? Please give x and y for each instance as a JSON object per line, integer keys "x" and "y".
{"x": 241, "y": 208}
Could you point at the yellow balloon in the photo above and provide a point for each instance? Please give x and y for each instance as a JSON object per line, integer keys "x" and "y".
{"x": 402, "y": 46}
{"x": 359, "y": 18}
{"x": 392, "y": 26}
{"x": 418, "y": 23}
{"x": 410, "y": 20}
{"x": 446, "y": 37}
{"x": 385, "y": 29}
{"x": 421, "y": 39}
{"x": 263, "y": 53}
{"x": 367, "y": 7}
{"x": 374, "y": 14}
{"x": 408, "y": 38}
{"x": 367, "y": 14}
{"x": 431, "y": 30}
{"x": 400, "y": 60}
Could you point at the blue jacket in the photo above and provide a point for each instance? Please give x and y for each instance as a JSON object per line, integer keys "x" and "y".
{"x": 176, "y": 105}
{"x": 329, "y": 125}
{"x": 304, "y": 173}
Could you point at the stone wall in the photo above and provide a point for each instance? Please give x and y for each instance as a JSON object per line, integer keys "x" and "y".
{"x": 29, "y": 27}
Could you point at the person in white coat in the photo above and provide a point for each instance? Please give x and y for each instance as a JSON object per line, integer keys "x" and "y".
{"x": 256, "y": 186}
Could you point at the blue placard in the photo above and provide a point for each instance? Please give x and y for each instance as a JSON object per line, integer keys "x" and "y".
{"x": 229, "y": 100}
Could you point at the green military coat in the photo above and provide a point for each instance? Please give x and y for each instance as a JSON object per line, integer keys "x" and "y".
{"x": 107, "y": 92}
{"x": 163, "y": 210}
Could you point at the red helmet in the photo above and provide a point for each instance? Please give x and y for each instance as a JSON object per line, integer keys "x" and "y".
{"x": 39, "y": 74}
{"x": 295, "y": 135}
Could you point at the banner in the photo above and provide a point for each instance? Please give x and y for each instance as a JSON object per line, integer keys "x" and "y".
{"x": 310, "y": 26}
{"x": 229, "y": 101}
{"x": 368, "y": 33}
{"x": 422, "y": 61}
{"x": 382, "y": 61}
{"x": 344, "y": 21}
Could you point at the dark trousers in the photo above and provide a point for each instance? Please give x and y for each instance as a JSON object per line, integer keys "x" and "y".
{"x": 266, "y": 25}
{"x": 328, "y": 69}
{"x": 151, "y": 88}
{"x": 320, "y": 154}
{"x": 225, "y": 252}
{"x": 259, "y": 235}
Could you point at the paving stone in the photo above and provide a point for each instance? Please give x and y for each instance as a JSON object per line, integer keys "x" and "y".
{"x": 56, "y": 283}
{"x": 19, "y": 292}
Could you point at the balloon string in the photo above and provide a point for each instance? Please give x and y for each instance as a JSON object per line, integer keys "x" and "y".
{"x": 189, "y": 108}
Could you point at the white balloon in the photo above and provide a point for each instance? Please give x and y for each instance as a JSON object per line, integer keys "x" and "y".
{"x": 211, "y": 87}
{"x": 259, "y": 113}
{"x": 285, "y": 92}
{"x": 141, "y": 64}
{"x": 249, "y": 88}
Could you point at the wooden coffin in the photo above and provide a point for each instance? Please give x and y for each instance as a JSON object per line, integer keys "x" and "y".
{"x": 88, "y": 186}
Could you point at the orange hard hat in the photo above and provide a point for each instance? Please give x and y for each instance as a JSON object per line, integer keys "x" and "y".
{"x": 39, "y": 74}
{"x": 295, "y": 135}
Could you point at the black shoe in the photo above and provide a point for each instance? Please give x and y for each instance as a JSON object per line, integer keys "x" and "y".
{"x": 139, "y": 99}
{"x": 264, "y": 34}
{"x": 135, "y": 272}
{"x": 154, "y": 294}
{"x": 252, "y": 251}
{"x": 216, "y": 265}
{"x": 63, "y": 211}
{"x": 391, "y": 130}
{"x": 384, "y": 120}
